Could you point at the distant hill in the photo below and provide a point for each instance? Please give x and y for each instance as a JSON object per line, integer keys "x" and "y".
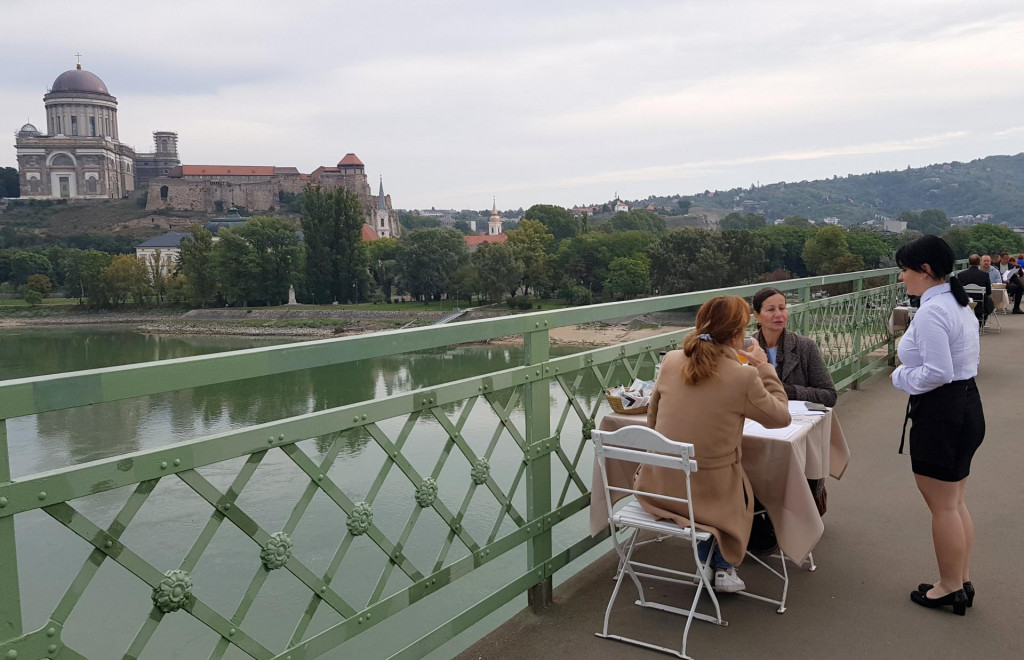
{"x": 992, "y": 185}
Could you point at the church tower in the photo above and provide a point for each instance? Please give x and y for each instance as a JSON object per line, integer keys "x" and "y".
{"x": 382, "y": 216}
{"x": 494, "y": 223}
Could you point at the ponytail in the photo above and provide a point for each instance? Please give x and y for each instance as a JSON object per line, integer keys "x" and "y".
{"x": 719, "y": 320}
{"x": 703, "y": 354}
{"x": 957, "y": 288}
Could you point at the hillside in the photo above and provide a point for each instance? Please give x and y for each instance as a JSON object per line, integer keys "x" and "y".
{"x": 992, "y": 185}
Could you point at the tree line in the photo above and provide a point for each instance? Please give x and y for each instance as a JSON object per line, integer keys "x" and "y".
{"x": 551, "y": 254}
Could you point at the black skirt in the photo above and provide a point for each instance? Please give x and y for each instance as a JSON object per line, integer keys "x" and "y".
{"x": 948, "y": 426}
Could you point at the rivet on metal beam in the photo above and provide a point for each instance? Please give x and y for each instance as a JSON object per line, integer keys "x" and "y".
{"x": 3, "y": 502}
{"x": 163, "y": 465}
{"x": 356, "y": 418}
{"x": 281, "y": 437}
{"x": 363, "y": 416}
{"x": 50, "y": 632}
{"x": 12, "y": 654}
{"x": 108, "y": 544}
{"x": 52, "y": 648}
{"x": 42, "y": 494}
{"x": 270, "y": 441}
{"x": 226, "y": 506}
{"x": 231, "y": 633}
{"x": 177, "y": 462}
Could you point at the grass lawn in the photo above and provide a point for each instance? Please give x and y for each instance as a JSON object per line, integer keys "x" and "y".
{"x": 19, "y": 302}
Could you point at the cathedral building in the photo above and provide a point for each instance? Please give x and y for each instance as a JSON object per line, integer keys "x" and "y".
{"x": 80, "y": 155}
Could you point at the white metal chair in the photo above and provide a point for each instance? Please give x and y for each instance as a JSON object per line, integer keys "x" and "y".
{"x": 639, "y": 444}
{"x": 976, "y": 292}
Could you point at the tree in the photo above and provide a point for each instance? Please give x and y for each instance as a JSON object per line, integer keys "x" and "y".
{"x": 561, "y": 223}
{"x": 737, "y": 221}
{"x": 531, "y": 243}
{"x": 40, "y": 284}
{"x": 637, "y": 220}
{"x": 33, "y": 297}
{"x": 796, "y": 221}
{"x": 986, "y": 239}
{"x": 869, "y": 246}
{"x": 126, "y": 277}
{"x": 157, "y": 277}
{"x": 584, "y": 260}
{"x": 82, "y": 277}
{"x": 10, "y": 185}
{"x": 25, "y": 263}
{"x": 336, "y": 259}
{"x": 958, "y": 238}
{"x": 691, "y": 259}
{"x": 236, "y": 264}
{"x": 428, "y": 258}
{"x": 195, "y": 262}
{"x": 629, "y": 276}
{"x": 784, "y": 247}
{"x": 383, "y": 257}
{"x": 823, "y": 247}
{"x": 930, "y": 221}
{"x": 499, "y": 270}
{"x": 466, "y": 281}
{"x": 275, "y": 250}
{"x": 683, "y": 205}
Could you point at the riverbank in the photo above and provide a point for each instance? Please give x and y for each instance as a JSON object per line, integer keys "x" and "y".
{"x": 310, "y": 323}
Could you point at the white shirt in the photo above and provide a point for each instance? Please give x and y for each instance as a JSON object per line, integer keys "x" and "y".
{"x": 940, "y": 346}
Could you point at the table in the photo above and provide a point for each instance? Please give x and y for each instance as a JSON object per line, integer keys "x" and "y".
{"x": 1000, "y": 299}
{"x": 778, "y": 470}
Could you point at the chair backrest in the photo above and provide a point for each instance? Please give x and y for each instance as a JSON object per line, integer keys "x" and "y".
{"x": 643, "y": 445}
{"x": 975, "y": 291}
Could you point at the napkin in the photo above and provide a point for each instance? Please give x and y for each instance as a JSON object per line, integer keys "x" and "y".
{"x": 637, "y": 395}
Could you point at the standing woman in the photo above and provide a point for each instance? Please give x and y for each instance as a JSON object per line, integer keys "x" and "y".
{"x": 939, "y": 355}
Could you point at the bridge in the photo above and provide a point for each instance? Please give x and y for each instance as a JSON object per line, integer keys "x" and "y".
{"x": 433, "y": 528}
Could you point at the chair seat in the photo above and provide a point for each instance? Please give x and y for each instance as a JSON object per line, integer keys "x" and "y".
{"x": 634, "y": 515}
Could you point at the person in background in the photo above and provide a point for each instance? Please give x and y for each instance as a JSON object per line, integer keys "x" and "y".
{"x": 939, "y": 354}
{"x": 973, "y": 275}
{"x": 702, "y": 396}
{"x": 1014, "y": 286}
{"x": 994, "y": 276}
{"x": 796, "y": 359}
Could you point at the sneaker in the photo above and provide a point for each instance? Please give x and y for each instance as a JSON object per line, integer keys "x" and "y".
{"x": 728, "y": 581}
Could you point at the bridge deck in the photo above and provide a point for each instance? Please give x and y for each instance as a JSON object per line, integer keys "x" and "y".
{"x": 876, "y": 548}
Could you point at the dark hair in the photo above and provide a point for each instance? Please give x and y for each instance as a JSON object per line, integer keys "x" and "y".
{"x": 763, "y": 295}
{"x": 719, "y": 320}
{"x": 974, "y": 260}
{"x": 935, "y": 252}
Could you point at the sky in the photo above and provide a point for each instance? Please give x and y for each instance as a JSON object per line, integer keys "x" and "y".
{"x": 455, "y": 103}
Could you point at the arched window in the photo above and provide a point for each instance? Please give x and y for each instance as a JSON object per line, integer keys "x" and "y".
{"x": 62, "y": 160}
{"x": 163, "y": 193}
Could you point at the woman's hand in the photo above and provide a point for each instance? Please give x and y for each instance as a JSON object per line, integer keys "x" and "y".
{"x": 755, "y": 355}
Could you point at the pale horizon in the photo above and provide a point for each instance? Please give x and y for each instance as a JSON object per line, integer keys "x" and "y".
{"x": 455, "y": 103}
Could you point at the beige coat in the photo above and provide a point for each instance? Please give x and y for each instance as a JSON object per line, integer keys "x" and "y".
{"x": 710, "y": 416}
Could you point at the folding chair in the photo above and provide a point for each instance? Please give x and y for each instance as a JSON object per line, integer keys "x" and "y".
{"x": 639, "y": 444}
{"x": 976, "y": 292}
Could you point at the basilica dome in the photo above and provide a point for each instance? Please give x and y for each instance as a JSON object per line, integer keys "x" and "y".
{"x": 28, "y": 130}
{"x": 78, "y": 80}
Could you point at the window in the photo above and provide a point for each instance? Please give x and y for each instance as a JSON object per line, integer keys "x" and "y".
{"x": 74, "y": 125}
{"x": 60, "y": 125}
{"x": 92, "y": 126}
{"x": 163, "y": 193}
{"x": 106, "y": 121}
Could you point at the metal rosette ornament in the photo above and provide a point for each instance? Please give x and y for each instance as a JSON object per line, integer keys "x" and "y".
{"x": 481, "y": 470}
{"x": 277, "y": 551}
{"x": 173, "y": 592}
{"x": 426, "y": 492}
{"x": 360, "y": 519}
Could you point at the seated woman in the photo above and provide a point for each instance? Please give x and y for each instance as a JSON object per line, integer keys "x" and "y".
{"x": 796, "y": 359}
{"x": 702, "y": 396}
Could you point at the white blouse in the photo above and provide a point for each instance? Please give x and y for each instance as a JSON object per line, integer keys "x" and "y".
{"x": 940, "y": 346}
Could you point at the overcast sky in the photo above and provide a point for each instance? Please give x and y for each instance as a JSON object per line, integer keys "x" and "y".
{"x": 560, "y": 102}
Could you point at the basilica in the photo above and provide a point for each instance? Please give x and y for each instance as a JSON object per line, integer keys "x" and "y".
{"x": 80, "y": 156}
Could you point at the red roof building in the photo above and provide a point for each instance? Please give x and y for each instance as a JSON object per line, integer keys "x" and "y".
{"x": 473, "y": 242}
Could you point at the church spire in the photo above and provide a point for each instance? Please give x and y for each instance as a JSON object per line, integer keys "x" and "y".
{"x": 381, "y": 203}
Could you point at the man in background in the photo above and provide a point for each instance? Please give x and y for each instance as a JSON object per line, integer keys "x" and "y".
{"x": 973, "y": 275}
{"x": 994, "y": 276}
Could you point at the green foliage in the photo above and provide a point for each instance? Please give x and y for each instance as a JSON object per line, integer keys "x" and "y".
{"x": 869, "y": 246}
{"x": 336, "y": 259}
{"x": 783, "y": 248}
{"x": 559, "y": 222}
{"x": 196, "y": 263}
{"x": 10, "y": 185}
{"x": 629, "y": 276}
{"x": 929, "y": 221}
{"x": 636, "y": 220}
{"x": 499, "y": 268}
{"x": 427, "y": 260}
{"x": 748, "y": 221}
{"x": 124, "y": 279}
{"x": 412, "y": 221}
{"x": 40, "y": 284}
{"x": 691, "y": 259}
{"x": 24, "y": 264}
{"x": 270, "y": 259}
{"x": 584, "y": 260}
{"x": 33, "y": 297}
{"x": 466, "y": 282}
{"x": 827, "y": 251}
{"x": 532, "y": 243}
{"x": 684, "y": 205}
{"x": 986, "y": 239}
{"x": 82, "y": 278}
{"x": 383, "y": 257}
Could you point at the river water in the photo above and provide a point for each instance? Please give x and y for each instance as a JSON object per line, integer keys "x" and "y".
{"x": 163, "y": 533}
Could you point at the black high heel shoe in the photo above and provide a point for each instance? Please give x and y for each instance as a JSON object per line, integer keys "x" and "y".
{"x": 968, "y": 589}
{"x": 958, "y": 599}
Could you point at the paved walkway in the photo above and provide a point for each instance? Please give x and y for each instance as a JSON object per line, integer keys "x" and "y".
{"x": 876, "y": 548}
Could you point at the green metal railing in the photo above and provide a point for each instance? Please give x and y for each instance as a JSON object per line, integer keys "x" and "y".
{"x": 543, "y": 411}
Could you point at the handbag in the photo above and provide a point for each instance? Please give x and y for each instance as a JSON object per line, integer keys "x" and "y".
{"x": 819, "y": 494}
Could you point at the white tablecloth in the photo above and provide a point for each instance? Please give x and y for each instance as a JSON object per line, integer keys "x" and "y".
{"x": 778, "y": 470}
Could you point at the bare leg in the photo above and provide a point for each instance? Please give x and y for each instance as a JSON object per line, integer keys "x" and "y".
{"x": 968, "y": 523}
{"x": 943, "y": 499}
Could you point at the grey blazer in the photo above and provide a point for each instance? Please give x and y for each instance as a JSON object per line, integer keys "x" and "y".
{"x": 802, "y": 370}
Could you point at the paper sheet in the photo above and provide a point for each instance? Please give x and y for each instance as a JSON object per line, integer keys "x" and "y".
{"x": 800, "y": 408}
{"x": 750, "y": 427}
